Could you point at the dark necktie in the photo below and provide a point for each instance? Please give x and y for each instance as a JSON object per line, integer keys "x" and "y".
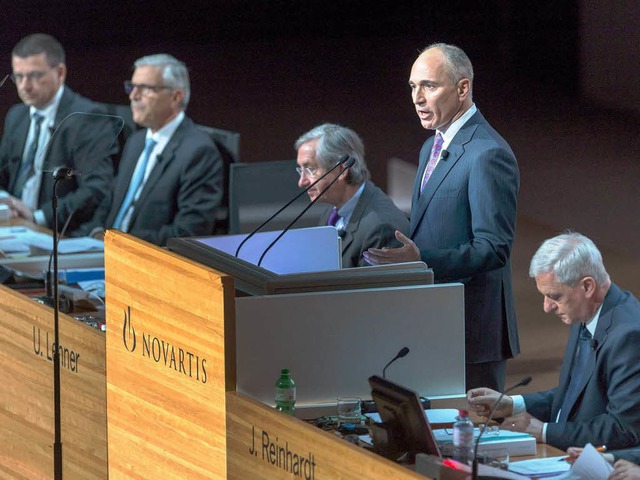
{"x": 577, "y": 372}
{"x": 333, "y": 217}
{"x": 135, "y": 183}
{"x": 26, "y": 167}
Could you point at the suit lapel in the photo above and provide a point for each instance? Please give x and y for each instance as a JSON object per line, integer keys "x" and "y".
{"x": 356, "y": 216}
{"x": 162, "y": 162}
{"x": 455, "y": 150}
{"x": 21, "y": 132}
{"x": 602, "y": 331}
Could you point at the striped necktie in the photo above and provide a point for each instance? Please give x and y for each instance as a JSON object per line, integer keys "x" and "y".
{"x": 433, "y": 160}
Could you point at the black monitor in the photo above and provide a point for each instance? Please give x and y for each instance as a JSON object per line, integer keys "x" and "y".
{"x": 404, "y": 421}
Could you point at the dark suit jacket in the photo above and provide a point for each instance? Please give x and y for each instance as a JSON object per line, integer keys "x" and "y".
{"x": 630, "y": 454}
{"x": 464, "y": 224}
{"x": 182, "y": 192}
{"x": 81, "y": 142}
{"x": 607, "y": 411}
{"x": 372, "y": 225}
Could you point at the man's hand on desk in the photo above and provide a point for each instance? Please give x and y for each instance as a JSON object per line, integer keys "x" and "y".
{"x": 481, "y": 400}
{"x": 18, "y": 208}
{"x": 524, "y": 423}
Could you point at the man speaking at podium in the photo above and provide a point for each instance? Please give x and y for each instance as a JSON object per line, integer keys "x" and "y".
{"x": 363, "y": 214}
{"x": 463, "y": 211}
{"x": 39, "y": 73}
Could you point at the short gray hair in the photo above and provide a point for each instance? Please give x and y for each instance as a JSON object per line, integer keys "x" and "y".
{"x": 458, "y": 64}
{"x": 334, "y": 141}
{"x": 174, "y": 73}
{"x": 570, "y": 257}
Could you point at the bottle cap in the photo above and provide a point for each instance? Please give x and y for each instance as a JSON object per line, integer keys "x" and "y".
{"x": 285, "y": 371}
{"x": 463, "y": 413}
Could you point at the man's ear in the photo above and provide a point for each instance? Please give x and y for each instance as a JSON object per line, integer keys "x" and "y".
{"x": 589, "y": 285}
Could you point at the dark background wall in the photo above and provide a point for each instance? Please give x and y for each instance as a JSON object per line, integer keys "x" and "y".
{"x": 271, "y": 69}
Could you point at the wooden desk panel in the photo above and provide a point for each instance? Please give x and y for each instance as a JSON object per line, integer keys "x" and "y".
{"x": 263, "y": 443}
{"x": 26, "y": 396}
{"x": 166, "y": 348}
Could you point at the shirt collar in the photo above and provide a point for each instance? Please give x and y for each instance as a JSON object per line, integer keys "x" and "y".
{"x": 455, "y": 127}
{"x": 49, "y": 112}
{"x": 163, "y": 135}
{"x": 592, "y": 324}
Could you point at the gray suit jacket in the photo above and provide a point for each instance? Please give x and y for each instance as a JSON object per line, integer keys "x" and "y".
{"x": 464, "y": 224}
{"x": 82, "y": 142}
{"x": 372, "y": 225}
{"x": 182, "y": 192}
{"x": 607, "y": 411}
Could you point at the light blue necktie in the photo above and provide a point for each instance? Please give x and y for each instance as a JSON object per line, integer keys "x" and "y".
{"x": 135, "y": 183}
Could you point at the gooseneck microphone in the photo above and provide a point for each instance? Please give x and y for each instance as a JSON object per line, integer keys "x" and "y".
{"x": 341, "y": 161}
{"x": 348, "y": 163}
{"x": 402, "y": 353}
{"x": 474, "y": 468}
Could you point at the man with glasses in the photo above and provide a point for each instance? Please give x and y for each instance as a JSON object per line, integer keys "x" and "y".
{"x": 364, "y": 216}
{"x": 169, "y": 181}
{"x": 28, "y": 153}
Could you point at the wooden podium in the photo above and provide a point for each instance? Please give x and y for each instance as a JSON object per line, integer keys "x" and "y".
{"x": 172, "y": 408}
{"x": 26, "y": 396}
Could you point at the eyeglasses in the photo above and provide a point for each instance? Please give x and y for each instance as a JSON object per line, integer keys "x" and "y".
{"x": 309, "y": 172}
{"x": 17, "y": 78}
{"x": 143, "y": 88}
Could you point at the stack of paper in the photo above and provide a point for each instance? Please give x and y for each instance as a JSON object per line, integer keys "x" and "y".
{"x": 517, "y": 443}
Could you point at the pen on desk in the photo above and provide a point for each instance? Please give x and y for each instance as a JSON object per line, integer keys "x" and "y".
{"x": 601, "y": 449}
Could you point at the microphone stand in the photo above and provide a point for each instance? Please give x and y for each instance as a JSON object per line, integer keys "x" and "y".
{"x": 347, "y": 166}
{"x": 474, "y": 465}
{"x": 342, "y": 160}
{"x": 48, "y": 291}
{"x": 58, "y": 175}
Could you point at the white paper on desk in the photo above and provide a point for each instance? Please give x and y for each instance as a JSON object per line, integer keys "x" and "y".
{"x": 12, "y": 240}
{"x": 80, "y": 244}
{"x": 434, "y": 415}
{"x": 540, "y": 467}
{"x": 590, "y": 465}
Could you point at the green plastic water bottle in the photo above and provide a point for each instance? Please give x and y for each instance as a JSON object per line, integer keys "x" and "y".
{"x": 286, "y": 393}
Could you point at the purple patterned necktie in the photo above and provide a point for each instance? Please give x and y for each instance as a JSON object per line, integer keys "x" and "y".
{"x": 333, "y": 217}
{"x": 433, "y": 160}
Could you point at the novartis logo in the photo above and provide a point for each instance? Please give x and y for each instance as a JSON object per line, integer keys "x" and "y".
{"x": 163, "y": 351}
{"x": 128, "y": 332}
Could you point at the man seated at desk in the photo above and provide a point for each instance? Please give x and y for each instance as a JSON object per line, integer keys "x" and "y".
{"x": 169, "y": 182}
{"x": 29, "y": 152}
{"x": 363, "y": 214}
{"x": 597, "y": 399}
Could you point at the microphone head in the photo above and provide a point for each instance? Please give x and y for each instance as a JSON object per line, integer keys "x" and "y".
{"x": 444, "y": 155}
{"x": 349, "y": 163}
{"x": 403, "y": 352}
{"x": 343, "y": 159}
{"x": 525, "y": 381}
{"x": 62, "y": 172}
